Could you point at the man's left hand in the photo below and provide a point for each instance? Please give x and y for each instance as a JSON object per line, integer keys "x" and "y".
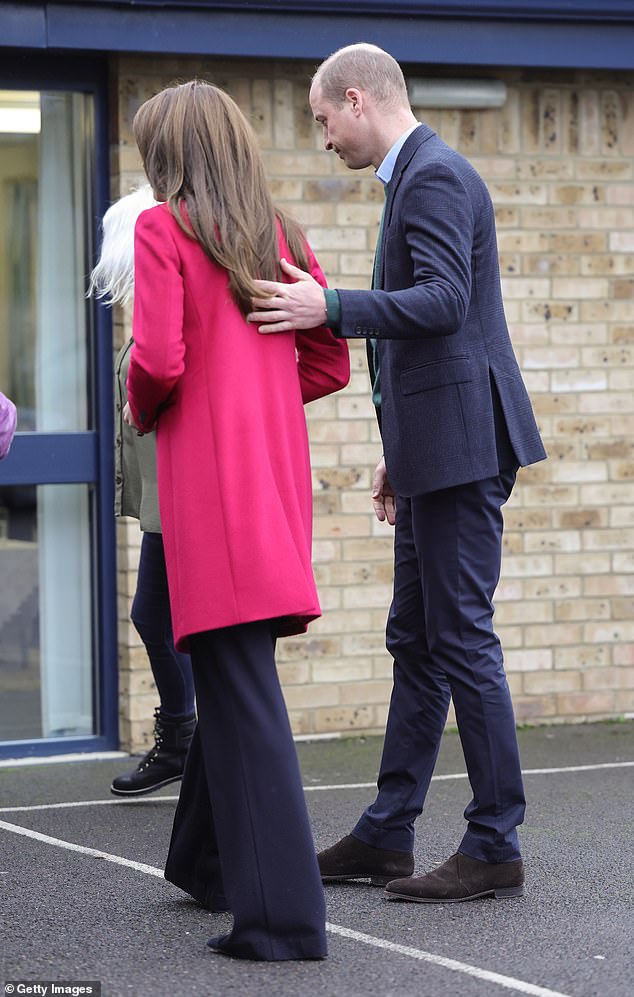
{"x": 301, "y": 305}
{"x": 383, "y": 497}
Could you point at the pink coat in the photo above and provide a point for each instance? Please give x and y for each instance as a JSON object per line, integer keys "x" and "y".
{"x": 234, "y": 478}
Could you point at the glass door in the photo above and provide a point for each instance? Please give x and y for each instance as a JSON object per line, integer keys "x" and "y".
{"x": 57, "y": 674}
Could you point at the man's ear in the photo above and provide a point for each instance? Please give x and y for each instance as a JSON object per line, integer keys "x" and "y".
{"x": 354, "y": 97}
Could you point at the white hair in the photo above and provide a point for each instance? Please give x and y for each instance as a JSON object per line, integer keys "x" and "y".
{"x": 113, "y": 277}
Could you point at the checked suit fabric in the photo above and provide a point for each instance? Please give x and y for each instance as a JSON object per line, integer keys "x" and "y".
{"x": 376, "y": 385}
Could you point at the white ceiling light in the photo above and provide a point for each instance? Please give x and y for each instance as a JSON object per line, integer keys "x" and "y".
{"x": 19, "y": 112}
{"x": 456, "y": 94}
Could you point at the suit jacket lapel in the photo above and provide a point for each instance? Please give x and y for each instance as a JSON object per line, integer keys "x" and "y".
{"x": 413, "y": 142}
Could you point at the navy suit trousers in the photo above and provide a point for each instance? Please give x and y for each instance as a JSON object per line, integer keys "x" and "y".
{"x": 241, "y": 838}
{"x": 440, "y": 633}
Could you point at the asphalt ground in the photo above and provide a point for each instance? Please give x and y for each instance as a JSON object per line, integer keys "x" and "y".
{"x": 80, "y": 915}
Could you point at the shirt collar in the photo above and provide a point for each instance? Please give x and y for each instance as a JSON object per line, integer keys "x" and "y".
{"x": 386, "y": 169}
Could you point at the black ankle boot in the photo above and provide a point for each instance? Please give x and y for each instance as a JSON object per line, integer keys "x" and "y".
{"x": 164, "y": 762}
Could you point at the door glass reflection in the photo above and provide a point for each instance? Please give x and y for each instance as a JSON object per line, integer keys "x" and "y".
{"x": 47, "y": 637}
{"x": 46, "y": 141}
{"x": 46, "y": 653}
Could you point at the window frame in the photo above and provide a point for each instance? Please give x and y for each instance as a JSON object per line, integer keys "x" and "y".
{"x": 86, "y": 457}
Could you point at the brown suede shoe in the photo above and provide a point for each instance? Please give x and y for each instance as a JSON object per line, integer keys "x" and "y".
{"x": 351, "y": 858}
{"x": 461, "y": 878}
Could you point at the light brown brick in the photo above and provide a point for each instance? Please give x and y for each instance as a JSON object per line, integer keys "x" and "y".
{"x": 345, "y": 718}
{"x": 543, "y": 683}
{"x": 599, "y": 679}
{"x": 581, "y": 657}
{"x": 366, "y": 692}
{"x": 586, "y": 704}
{"x": 582, "y": 609}
{"x": 523, "y": 611}
{"x": 552, "y": 587}
{"x": 624, "y": 655}
{"x": 602, "y": 169}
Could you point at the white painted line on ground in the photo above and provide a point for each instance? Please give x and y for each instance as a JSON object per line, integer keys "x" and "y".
{"x": 463, "y": 775}
{"x": 86, "y": 756}
{"x": 509, "y": 982}
{"x": 307, "y": 789}
{"x": 520, "y": 986}
{"x": 579, "y": 768}
{"x": 87, "y": 803}
{"x": 150, "y": 870}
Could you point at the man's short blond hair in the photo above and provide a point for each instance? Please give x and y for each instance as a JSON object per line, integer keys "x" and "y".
{"x": 366, "y": 67}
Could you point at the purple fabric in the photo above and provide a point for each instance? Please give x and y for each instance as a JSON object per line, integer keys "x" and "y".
{"x": 8, "y": 422}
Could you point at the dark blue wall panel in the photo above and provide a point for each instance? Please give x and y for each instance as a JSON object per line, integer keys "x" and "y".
{"x": 22, "y": 26}
{"x": 50, "y": 458}
{"x": 561, "y": 33}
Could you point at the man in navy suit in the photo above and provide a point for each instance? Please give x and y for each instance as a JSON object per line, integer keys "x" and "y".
{"x": 456, "y": 424}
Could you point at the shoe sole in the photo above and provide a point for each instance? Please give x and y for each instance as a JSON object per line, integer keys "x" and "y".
{"x": 148, "y": 789}
{"x": 374, "y": 880}
{"x": 501, "y": 894}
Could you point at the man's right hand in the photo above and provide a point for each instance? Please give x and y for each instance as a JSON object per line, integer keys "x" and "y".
{"x": 383, "y": 497}
{"x": 298, "y": 305}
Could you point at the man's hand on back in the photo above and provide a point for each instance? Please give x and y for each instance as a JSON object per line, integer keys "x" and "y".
{"x": 300, "y": 305}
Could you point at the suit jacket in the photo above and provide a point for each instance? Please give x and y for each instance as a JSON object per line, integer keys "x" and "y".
{"x": 234, "y": 477}
{"x": 443, "y": 344}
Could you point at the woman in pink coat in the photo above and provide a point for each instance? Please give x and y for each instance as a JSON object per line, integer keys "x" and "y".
{"x": 235, "y": 501}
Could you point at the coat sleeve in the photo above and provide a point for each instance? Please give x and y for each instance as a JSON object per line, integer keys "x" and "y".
{"x": 436, "y": 220}
{"x": 157, "y": 357}
{"x": 323, "y": 365}
{"x": 8, "y": 423}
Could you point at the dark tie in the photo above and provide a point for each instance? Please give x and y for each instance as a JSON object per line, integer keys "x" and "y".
{"x": 376, "y": 386}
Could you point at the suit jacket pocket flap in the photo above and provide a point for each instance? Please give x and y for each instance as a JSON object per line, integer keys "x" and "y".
{"x": 436, "y": 374}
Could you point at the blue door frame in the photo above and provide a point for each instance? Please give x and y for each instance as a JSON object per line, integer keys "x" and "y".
{"x": 86, "y": 457}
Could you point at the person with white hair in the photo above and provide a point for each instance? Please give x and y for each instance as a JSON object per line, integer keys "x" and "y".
{"x": 136, "y": 495}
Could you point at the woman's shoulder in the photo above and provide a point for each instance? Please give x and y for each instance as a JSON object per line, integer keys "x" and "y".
{"x": 158, "y": 216}
{"x": 158, "y": 224}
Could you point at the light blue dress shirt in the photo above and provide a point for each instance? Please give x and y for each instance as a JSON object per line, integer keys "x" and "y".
{"x": 386, "y": 169}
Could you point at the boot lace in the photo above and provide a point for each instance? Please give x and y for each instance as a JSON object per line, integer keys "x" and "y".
{"x": 153, "y": 753}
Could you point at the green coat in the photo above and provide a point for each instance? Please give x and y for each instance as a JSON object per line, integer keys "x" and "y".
{"x": 136, "y": 492}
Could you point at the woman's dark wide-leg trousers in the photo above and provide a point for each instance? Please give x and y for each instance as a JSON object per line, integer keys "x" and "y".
{"x": 241, "y": 838}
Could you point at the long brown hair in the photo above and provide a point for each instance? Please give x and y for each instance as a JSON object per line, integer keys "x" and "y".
{"x": 198, "y": 148}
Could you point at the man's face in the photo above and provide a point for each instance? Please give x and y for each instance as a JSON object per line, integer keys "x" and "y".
{"x": 345, "y": 128}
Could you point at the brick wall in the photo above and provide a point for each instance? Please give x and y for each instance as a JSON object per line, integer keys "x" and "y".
{"x": 558, "y": 162}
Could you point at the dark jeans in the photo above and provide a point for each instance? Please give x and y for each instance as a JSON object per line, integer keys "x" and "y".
{"x": 447, "y": 549}
{"x": 152, "y": 618}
